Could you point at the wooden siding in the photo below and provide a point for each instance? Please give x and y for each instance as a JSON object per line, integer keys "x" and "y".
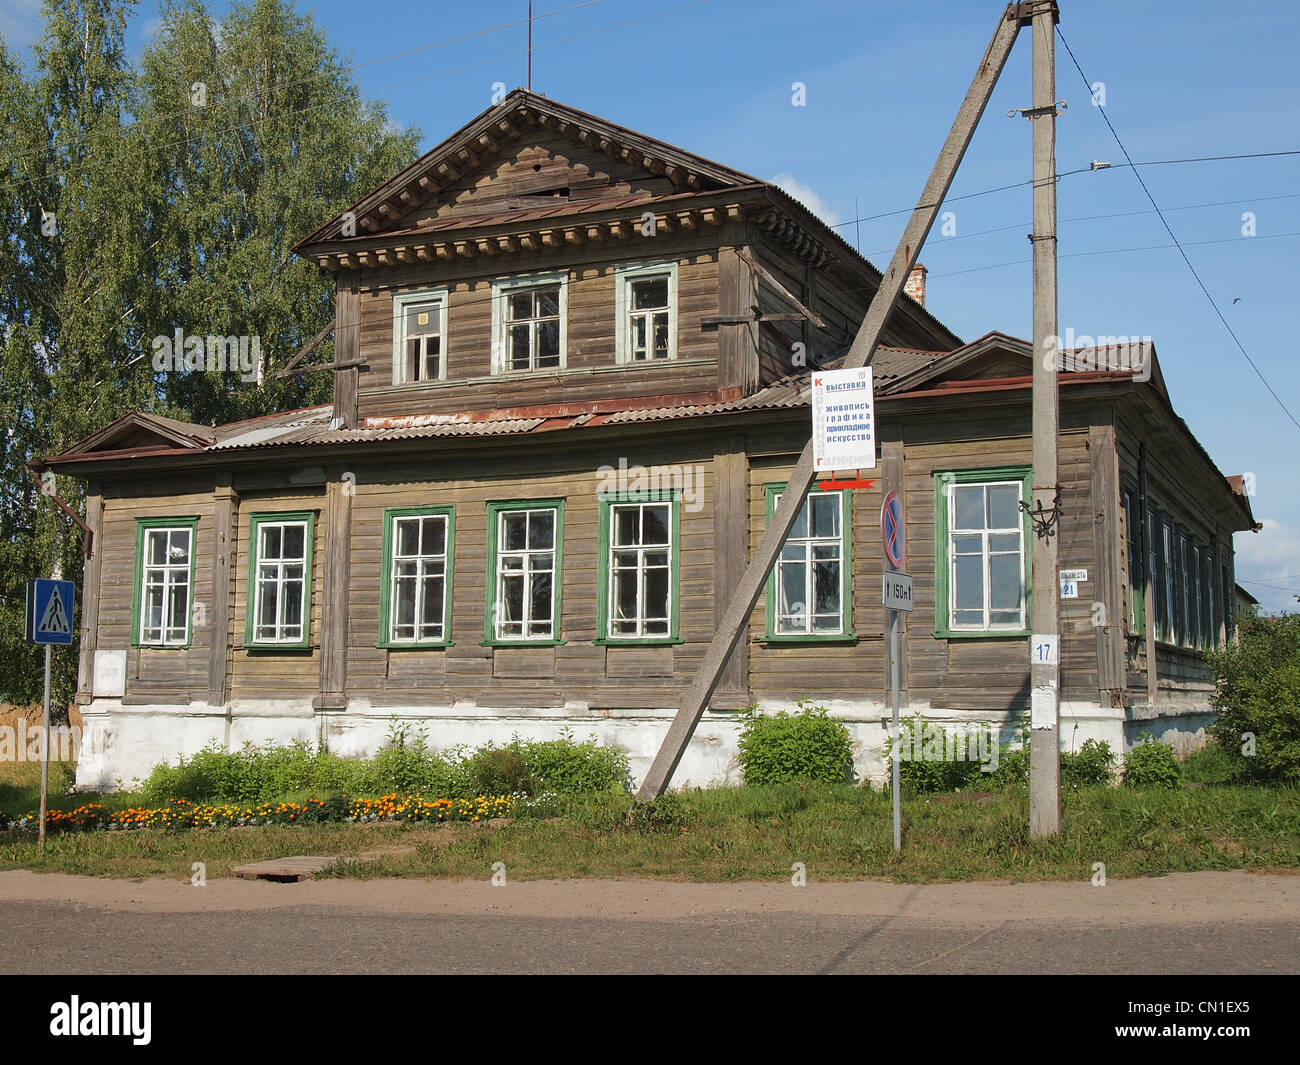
{"x": 543, "y": 171}
{"x": 590, "y": 372}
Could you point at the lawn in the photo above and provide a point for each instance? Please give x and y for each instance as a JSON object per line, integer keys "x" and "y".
{"x": 741, "y": 833}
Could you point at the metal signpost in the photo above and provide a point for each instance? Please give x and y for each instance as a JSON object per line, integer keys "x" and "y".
{"x": 896, "y": 594}
{"x": 49, "y": 621}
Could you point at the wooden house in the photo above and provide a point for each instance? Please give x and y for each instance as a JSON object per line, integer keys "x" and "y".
{"x": 571, "y": 377}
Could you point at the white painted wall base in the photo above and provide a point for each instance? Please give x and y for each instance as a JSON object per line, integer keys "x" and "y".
{"x": 123, "y": 743}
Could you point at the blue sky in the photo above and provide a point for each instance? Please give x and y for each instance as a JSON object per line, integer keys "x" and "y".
{"x": 883, "y": 81}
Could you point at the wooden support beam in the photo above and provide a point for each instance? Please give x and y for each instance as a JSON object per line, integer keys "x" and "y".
{"x": 337, "y": 570}
{"x": 347, "y": 349}
{"x": 304, "y": 351}
{"x": 732, "y": 626}
{"x": 92, "y": 567}
{"x": 781, "y": 291}
{"x": 224, "y": 509}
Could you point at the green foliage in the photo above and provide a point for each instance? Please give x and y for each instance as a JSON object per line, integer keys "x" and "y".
{"x": 805, "y": 745}
{"x": 668, "y": 813}
{"x": 1210, "y": 765}
{"x": 406, "y": 764}
{"x": 921, "y": 776}
{"x": 130, "y": 210}
{"x": 1257, "y": 695}
{"x": 1152, "y": 765}
{"x": 1087, "y": 767}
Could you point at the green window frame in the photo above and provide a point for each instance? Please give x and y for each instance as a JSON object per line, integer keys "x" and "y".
{"x": 424, "y": 566}
{"x": 1135, "y": 561}
{"x": 528, "y": 570}
{"x": 253, "y": 598}
{"x": 944, "y": 480}
{"x": 609, "y": 503}
{"x": 143, "y": 528}
{"x": 844, "y": 634}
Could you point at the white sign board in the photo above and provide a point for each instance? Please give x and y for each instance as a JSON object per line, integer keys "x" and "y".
{"x": 1045, "y": 650}
{"x": 844, "y": 420}
{"x": 1076, "y": 575}
{"x": 897, "y": 591}
{"x": 110, "y": 674}
{"x": 1069, "y": 588}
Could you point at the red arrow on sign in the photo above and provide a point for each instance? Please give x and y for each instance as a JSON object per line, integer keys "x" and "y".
{"x": 832, "y": 484}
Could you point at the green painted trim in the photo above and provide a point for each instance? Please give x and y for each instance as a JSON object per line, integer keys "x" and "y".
{"x": 141, "y": 525}
{"x": 845, "y": 635}
{"x": 255, "y": 522}
{"x": 649, "y": 641}
{"x": 605, "y": 500}
{"x": 386, "y": 576}
{"x": 942, "y": 478}
{"x": 494, "y": 508}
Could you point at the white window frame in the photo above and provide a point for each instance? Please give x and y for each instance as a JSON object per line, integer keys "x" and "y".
{"x": 641, "y": 550}
{"x": 304, "y": 591}
{"x": 525, "y": 572}
{"x": 401, "y": 301}
{"x": 502, "y": 288}
{"x": 809, "y": 543}
{"x": 624, "y": 275}
{"x": 172, "y": 575}
{"x": 424, "y": 561}
{"x": 985, "y": 555}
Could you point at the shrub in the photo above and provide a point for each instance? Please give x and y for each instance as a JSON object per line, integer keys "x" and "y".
{"x": 1087, "y": 767}
{"x": 570, "y": 768}
{"x": 805, "y": 745}
{"x": 1257, "y": 694}
{"x": 1152, "y": 765}
{"x": 500, "y": 771}
{"x": 927, "y": 775}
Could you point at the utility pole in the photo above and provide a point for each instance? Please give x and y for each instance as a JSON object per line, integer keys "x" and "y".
{"x": 1045, "y": 645}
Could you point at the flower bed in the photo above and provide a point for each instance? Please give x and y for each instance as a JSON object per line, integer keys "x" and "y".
{"x": 182, "y": 814}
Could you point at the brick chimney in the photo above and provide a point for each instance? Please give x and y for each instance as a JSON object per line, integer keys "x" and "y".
{"x": 915, "y": 285}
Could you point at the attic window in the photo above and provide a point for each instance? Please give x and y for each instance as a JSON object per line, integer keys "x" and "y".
{"x": 419, "y": 331}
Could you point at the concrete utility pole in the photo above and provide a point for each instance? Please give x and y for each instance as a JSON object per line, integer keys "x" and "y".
{"x": 1045, "y": 646}
{"x": 734, "y": 620}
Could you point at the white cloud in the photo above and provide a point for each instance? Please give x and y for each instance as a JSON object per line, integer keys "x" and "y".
{"x": 1273, "y": 556}
{"x": 20, "y": 23}
{"x": 805, "y": 195}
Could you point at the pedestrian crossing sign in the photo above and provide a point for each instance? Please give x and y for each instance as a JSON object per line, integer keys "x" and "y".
{"x": 49, "y": 611}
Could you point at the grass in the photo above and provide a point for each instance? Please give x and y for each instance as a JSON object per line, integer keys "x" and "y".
{"x": 750, "y": 833}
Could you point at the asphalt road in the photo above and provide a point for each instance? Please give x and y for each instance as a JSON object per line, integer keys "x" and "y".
{"x": 1197, "y": 923}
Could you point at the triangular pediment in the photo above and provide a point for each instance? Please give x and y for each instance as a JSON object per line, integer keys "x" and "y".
{"x": 144, "y": 432}
{"x": 525, "y": 153}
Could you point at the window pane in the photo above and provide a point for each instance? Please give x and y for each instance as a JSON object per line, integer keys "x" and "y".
{"x": 548, "y": 343}
{"x": 970, "y": 583}
{"x": 294, "y": 536}
{"x": 661, "y": 336}
{"x": 422, "y": 318}
{"x": 827, "y": 576}
{"x": 435, "y": 536}
{"x": 1004, "y": 542}
{"x": 519, "y": 347}
{"x": 1004, "y": 582}
{"x": 799, "y": 530}
{"x": 654, "y": 528}
{"x": 513, "y": 597}
{"x": 431, "y": 615}
{"x": 969, "y": 506}
{"x": 968, "y": 545}
{"x": 520, "y": 305}
{"x": 404, "y": 607}
{"x": 292, "y": 601}
{"x": 548, "y": 302}
{"x": 408, "y": 537}
{"x": 650, "y": 293}
{"x": 179, "y": 555}
{"x": 270, "y": 547}
{"x": 1004, "y": 506}
{"x": 541, "y": 530}
{"x": 541, "y": 597}
{"x": 825, "y": 514}
{"x": 516, "y": 530}
{"x": 625, "y": 596}
{"x": 626, "y": 521}
{"x": 638, "y": 336}
{"x": 792, "y": 590}
{"x": 268, "y": 591}
{"x": 155, "y": 551}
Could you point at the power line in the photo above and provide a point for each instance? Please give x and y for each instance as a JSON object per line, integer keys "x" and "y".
{"x": 1163, "y": 221}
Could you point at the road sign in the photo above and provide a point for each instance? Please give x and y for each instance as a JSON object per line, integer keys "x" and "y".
{"x": 844, "y": 420}
{"x": 49, "y": 611}
{"x": 891, "y": 528}
{"x": 897, "y": 591}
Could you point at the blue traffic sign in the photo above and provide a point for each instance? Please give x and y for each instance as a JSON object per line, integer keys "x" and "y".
{"x": 49, "y": 611}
